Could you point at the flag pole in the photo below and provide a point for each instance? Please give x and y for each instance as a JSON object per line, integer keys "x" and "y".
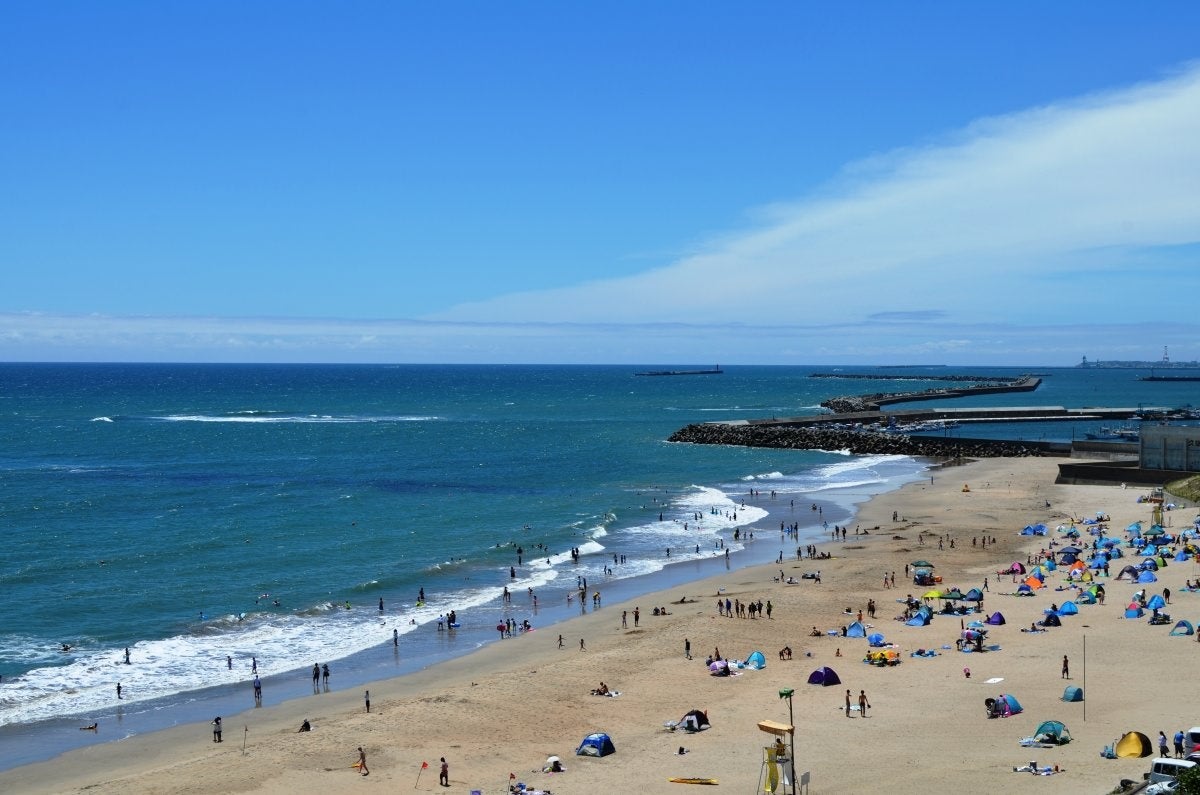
{"x": 419, "y": 772}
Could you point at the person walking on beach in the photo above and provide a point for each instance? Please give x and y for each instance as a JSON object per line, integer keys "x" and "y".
{"x": 1066, "y": 668}
{"x": 862, "y": 703}
{"x": 118, "y": 689}
{"x": 362, "y": 762}
{"x": 1162, "y": 744}
{"x": 257, "y": 689}
{"x": 216, "y": 724}
{"x": 1179, "y": 743}
{"x": 847, "y": 703}
{"x": 367, "y": 699}
{"x": 396, "y": 638}
{"x": 316, "y": 676}
{"x": 325, "y": 674}
{"x": 581, "y": 646}
{"x": 444, "y": 775}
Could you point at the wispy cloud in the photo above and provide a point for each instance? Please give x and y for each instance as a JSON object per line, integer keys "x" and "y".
{"x": 981, "y": 226}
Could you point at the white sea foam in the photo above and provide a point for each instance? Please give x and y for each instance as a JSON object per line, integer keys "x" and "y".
{"x": 293, "y": 418}
{"x": 101, "y": 419}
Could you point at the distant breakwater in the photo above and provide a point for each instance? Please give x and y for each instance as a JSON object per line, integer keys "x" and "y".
{"x": 973, "y": 379}
{"x": 849, "y": 404}
{"x": 857, "y": 442}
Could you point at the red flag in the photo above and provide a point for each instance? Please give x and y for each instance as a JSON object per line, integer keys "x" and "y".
{"x": 512, "y": 775}
{"x": 424, "y": 765}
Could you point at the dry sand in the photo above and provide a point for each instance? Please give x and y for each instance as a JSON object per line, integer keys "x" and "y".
{"x": 507, "y": 707}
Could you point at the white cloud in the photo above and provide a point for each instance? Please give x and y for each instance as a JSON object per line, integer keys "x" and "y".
{"x": 983, "y": 226}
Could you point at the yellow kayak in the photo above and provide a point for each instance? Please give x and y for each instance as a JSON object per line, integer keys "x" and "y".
{"x": 692, "y": 780}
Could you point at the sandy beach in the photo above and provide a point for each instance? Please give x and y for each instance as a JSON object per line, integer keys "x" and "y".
{"x": 504, "y": 709}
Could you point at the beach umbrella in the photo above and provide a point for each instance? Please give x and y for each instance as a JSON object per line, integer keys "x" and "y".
{"x": 923, "y": 564}
{"x": 1069, "y": 550}
{"x": 1155, "y": 530}
{"x": 932, "y": 595}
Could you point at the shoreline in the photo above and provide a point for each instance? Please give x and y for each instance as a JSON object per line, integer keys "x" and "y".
{"x": 534, "y": 696}
{"x": 46, "y": 740}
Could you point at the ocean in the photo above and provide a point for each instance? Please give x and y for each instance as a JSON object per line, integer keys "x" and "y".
{"x": 215, "y": 518}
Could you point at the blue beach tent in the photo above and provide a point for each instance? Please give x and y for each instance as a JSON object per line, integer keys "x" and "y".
{"x": 1068, "y": 609}
{"x": 1147, "y": 576}
{"x": 856, "y": 630}
{"x": 1073, "y": 693}
{"x": 756, "y": 660}
{"x": 996, "y": 618}
{"x": 1156, "y": 602}
{"x": 1181, "y": 556}
{"x": 1184, "y": 628}
{"x": 596, "y": 745}
{"x": 1134, "y": 610}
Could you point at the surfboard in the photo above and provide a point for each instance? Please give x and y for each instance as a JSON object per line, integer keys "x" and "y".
{"x": 692, "y": 780}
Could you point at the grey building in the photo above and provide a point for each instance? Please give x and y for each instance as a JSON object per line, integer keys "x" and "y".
{"x": 1169, "y": 447}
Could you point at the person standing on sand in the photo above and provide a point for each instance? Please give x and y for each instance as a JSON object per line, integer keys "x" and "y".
{"x": 118, "y": 690}
{"x": 325, "y": 674}
{"x": 1066, "y": 668}
{"x": 362, "y": 761}
{"x": 367, "y": 699}
{"x": 847, "y": 703}
{"x": 257, "y": 689}
{"x": 444, "y": 775}
{"x": 687, "y": 648}
{"x": 862, "y": 703}
{"x": 216, "y": 724}
{"x": 316, "y": 676}
{"x": 1162, "y": 744}
{"x": 581, "y": 646}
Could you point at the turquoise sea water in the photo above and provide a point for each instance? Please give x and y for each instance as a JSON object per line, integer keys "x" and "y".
{"x": 199, "y": 513}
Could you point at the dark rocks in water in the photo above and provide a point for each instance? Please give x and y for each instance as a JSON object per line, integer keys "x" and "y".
{"x": 857, "y": 442}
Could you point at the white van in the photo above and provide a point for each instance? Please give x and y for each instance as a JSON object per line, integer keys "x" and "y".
{"x": 1191, "y": 740}
{"x": 1167, "y": 769}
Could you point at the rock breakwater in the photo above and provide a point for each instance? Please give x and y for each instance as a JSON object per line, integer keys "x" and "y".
{"x": 857, "y": 442}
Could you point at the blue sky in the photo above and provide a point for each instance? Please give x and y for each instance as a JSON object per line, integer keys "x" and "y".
{"x": 671, "y": 182}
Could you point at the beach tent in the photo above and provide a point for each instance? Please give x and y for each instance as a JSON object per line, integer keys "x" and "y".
{"x": 1181, "y": 556}
{"x": 1128, "y": 573}
{"x": 1134, "y": 745}
{"x": 876, "y": 639}
{"x": 921, "y": 618}
{"x": 1024, "y": 590}
{"x": 694, "y": 721}
{"x": 1147, "y": 576}
{"x": 1134, "y": 610}
{"x": 996, "y": 618}
{"x": 1134, "y": 529}
{"x": 1033, "y": 583}
{"x": 1051, "y": 620}
{"x": 1017, "y": 567}
{"x": 1003, "y": 707}
{"x": 973, "y": 595}
{"x": 1050, "y": 565}
{"x": 1052, "y": 731}
{"x": 856, "y": 630}
{"x": 756, "y": 660}
{"x": 1067, "y": 558}
{"x": 1068, "y": 609}
{"x": 1149, "y": 564}
{"x": 1088, "y": 598}
{"x": 1073, "y": 693}
{"x": 824, "y": 677}
{"x": 596, "y": 745}
{"x": 1184, "y": 628}
{"x": 1156, "y": 602}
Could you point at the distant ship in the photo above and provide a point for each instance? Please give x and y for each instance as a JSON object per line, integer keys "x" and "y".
{"x": 716, "y": 370}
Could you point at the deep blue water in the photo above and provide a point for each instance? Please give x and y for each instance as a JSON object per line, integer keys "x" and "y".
{"x": 167, "y": 508}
